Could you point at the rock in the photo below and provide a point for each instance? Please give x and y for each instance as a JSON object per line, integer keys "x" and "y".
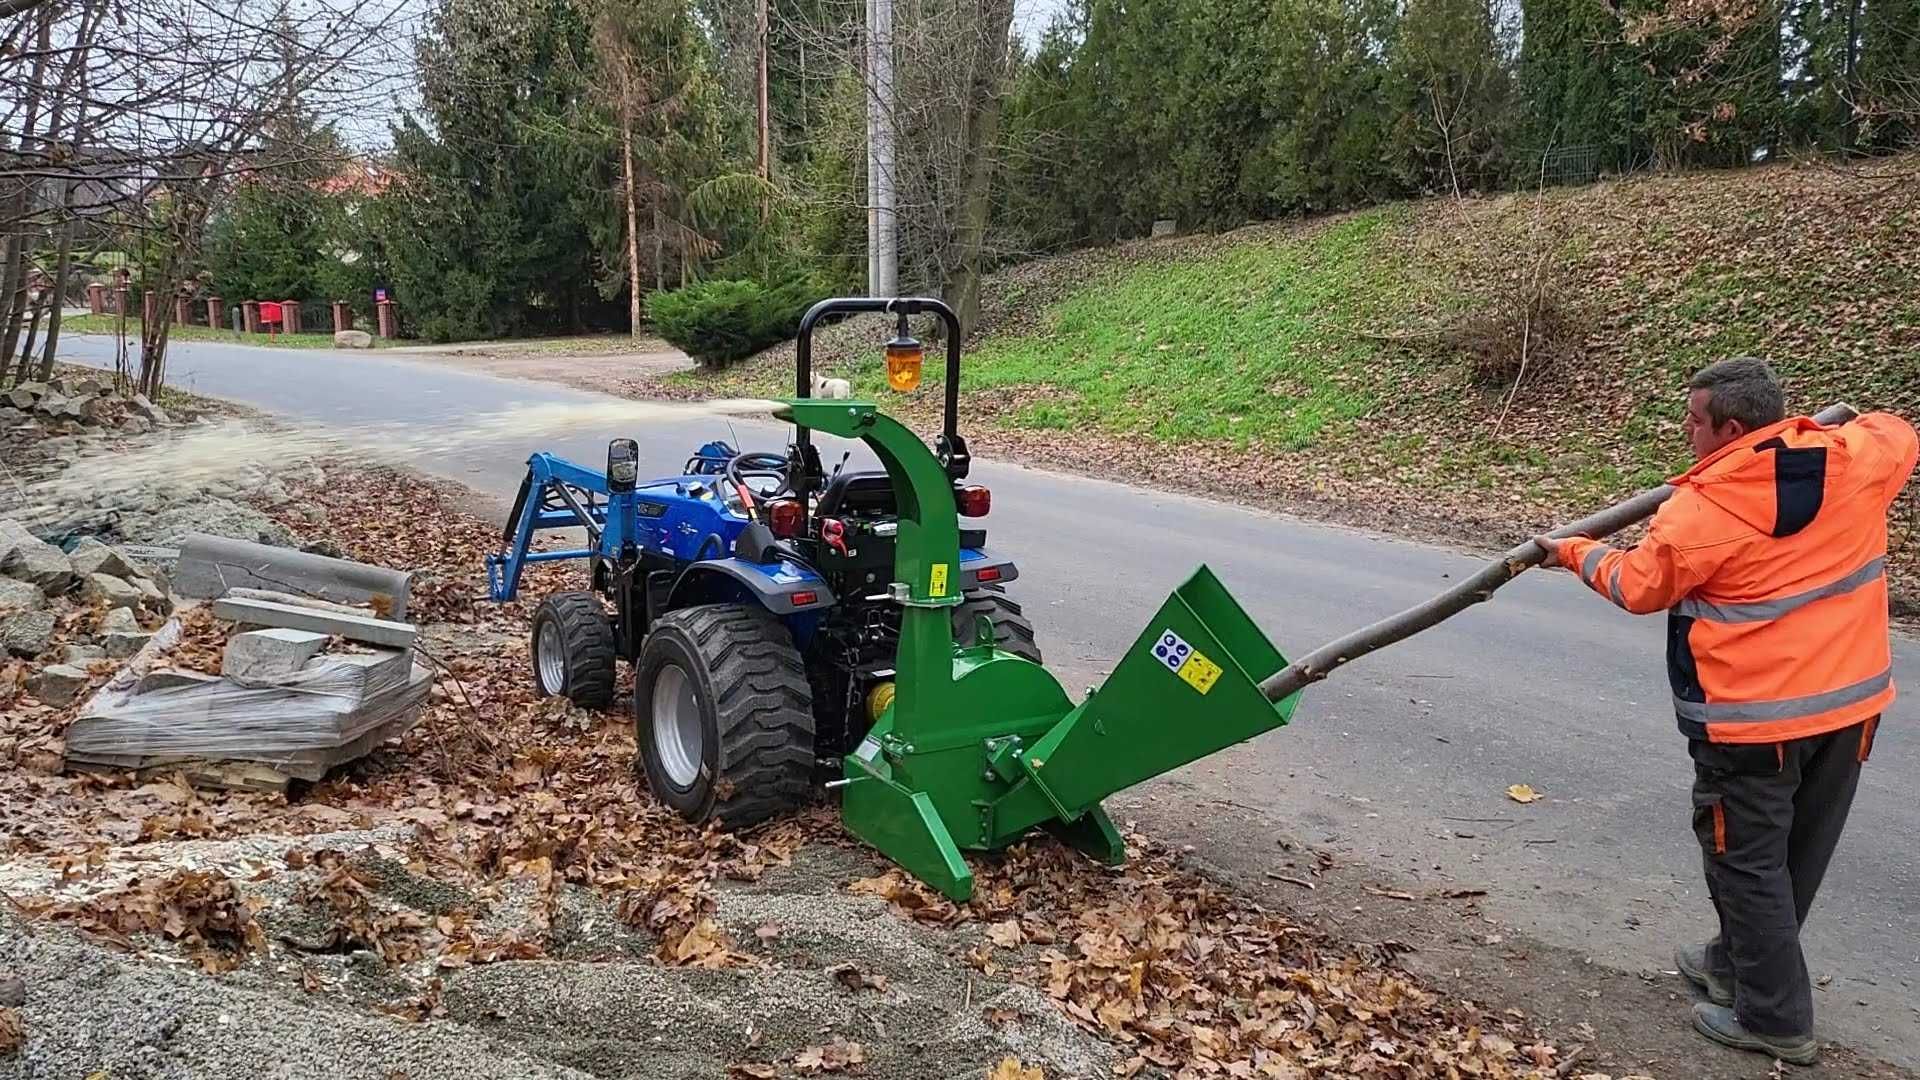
{"x": 121, "y": 645}
{"x": 13, "y": 992}
{"x": 264, "y": 655}
{"x": 82, "y": 655}
{"x": 26, "y": 395}
{"x": 10, "y": 416}
{"x": 90, "y": 556}
{"x": 136, "y": 425}
{"x": 352, "y": 339}
{"x": 28, "y": 558}
{"x": 27, "y": 633}
{"x": 87, "y": 384}
{"x": 20, "y": 596}
{"x": 154, "y": 596}
{"x": 121, "y": 620}
{"x": 52, "y": 403}
{"x": 274, "y": 493}
{"x": 85, "y": 408}
{"x": 57, "y": 684}
{"x": 117, "y": 592}
{"x": 146, "y": 410}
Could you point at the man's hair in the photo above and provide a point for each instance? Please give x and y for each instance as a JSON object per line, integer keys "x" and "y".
{"x": 1744, "y": 389}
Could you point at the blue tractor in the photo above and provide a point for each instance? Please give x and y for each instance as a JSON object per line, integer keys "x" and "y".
{"x": 752, "y": 594}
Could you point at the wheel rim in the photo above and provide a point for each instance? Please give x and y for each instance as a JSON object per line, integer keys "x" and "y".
{"x": 679, "y": 741}
{"x": 550, "y": 659}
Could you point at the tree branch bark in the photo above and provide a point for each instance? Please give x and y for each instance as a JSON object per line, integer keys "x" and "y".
{"x": 1479, "y": 588}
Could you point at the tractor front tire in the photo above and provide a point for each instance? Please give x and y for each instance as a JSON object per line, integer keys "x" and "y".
{"x": 1012, "y": 632}
{"x": 573, "y": 650}
{"x": 724, "y": 716}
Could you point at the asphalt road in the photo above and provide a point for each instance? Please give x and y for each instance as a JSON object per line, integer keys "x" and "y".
{"x": 1547, "y": 686}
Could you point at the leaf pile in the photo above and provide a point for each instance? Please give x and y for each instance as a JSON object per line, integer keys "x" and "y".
{"x": 1195, "y": 980}
{"x": 199, "y": 909}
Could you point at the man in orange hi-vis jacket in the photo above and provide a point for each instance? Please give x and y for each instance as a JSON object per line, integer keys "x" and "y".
{"x": 1770, "y": 562}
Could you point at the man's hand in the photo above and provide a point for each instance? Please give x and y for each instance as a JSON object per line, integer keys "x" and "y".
{"x": 1552, "y": 547}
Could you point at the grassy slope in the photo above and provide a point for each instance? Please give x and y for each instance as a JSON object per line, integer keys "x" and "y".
{"x": 1302, "y": 361}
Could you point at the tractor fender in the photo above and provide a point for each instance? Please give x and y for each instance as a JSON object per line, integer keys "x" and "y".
{"x": 973, "y": 560}
{"x": 713, "y": 581}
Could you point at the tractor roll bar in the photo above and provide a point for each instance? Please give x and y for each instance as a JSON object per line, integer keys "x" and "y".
{"x": 910, "y": 305}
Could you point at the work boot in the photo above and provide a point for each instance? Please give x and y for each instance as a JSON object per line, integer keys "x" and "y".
{"x": 1695, "y": 968}
{"x": 1718, "y": 1023}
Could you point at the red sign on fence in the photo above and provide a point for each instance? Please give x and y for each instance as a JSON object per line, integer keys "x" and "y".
{"x": 269, "y": 311}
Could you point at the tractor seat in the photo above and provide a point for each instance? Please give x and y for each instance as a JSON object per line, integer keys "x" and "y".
{"x": 857, "y": 493}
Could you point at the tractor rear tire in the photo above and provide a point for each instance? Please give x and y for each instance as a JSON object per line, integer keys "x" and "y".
{"x": 1012, "y": 632}
{"x": 724, "y": 715}
{"x": 574, "y": 650}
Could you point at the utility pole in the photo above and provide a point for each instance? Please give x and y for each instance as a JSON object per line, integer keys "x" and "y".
{"x": 883, "y": 269}
{"x": 766, "y": 142}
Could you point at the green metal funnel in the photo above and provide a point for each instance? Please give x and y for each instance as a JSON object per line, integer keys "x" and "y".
{"x": 1189, "y": 687}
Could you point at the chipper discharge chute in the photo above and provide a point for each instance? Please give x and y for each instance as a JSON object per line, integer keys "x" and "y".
{"x": 978, "y": 746}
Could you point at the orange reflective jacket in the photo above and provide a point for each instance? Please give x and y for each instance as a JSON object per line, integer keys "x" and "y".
{"x": 1770, "y": 560}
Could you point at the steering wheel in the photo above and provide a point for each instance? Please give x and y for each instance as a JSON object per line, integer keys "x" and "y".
{"x": 763, "y": 465}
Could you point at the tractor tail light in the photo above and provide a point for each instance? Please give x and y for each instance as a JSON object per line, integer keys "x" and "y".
{"x": 988, "y": 573}
{"x": 802, "y": 599}
{"x": 787, "y": 518}
{"x": 973, "y": 500}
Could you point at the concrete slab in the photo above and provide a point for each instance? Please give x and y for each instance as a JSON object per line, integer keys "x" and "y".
{"x": 395, "y": 635}
{"x": 210, "y": 566}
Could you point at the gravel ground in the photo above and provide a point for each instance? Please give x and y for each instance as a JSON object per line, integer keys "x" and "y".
{"x": 599, "y": 1008}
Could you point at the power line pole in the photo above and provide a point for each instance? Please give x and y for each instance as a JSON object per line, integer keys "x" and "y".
{"x": 883, "y": 265}
{"x": 766, "y": 142}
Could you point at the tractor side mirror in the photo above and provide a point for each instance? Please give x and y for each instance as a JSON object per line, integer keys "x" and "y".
{"x": 623, "y": 465}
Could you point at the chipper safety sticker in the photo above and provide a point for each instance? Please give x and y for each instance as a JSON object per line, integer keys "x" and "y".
{"x": 937, "y": 586}
{"x": 1186, "y": 661}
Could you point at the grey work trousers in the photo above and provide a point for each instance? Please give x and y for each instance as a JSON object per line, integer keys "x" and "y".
{"x": 1768, "y": 817}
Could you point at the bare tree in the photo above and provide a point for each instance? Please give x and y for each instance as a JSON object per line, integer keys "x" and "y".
{"x": 134, "y": 116}
{"x": 952, "y": 65}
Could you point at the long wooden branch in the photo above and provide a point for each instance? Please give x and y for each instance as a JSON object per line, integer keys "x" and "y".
{"x": 1479, "y": 588}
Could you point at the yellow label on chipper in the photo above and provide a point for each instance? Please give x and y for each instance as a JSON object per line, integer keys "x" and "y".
{"x": 1172, "y": 650}
{"x": 1199, "y": 672}
{"x": 937, "y": 585}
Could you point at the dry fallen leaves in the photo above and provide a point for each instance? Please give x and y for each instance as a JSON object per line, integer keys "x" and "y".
{"x": 837, "y": 1056}
{"x": 1013, "y": 1068}
{"x": 1523, "y": 793}
{"x": 13, "y": 1032}
{"x": 852, "y": 977}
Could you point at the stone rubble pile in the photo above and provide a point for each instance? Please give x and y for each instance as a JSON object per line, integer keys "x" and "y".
{"x": 303, "y": 685}
{"x": 71, "y": 405}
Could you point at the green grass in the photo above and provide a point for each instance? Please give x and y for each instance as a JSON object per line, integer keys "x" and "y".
{"x": 1241, "y": 346}
{"x": 110, "y": 324}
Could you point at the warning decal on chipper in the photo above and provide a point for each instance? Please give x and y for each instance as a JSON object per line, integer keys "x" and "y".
{"x": 1186, "y": 661}
{"x": 937, "y": 580}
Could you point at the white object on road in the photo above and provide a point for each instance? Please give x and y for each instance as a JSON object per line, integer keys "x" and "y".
{"x": 832, "y": 389}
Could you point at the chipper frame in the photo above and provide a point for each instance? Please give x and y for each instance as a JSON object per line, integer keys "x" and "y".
{"x": 980, "y": 746}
